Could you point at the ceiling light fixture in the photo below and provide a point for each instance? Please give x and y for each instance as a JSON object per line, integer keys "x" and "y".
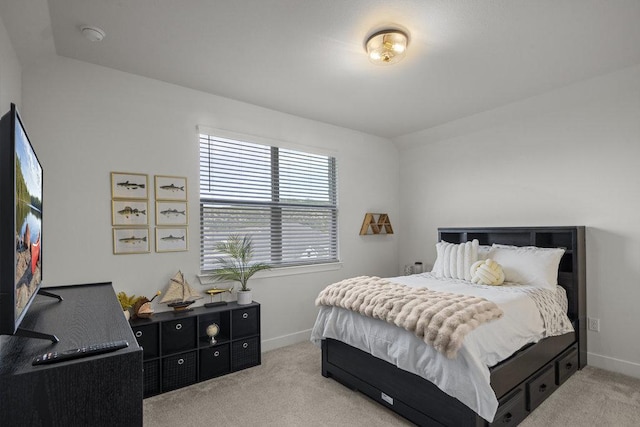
{"x": 94, "y": 34}
{"x": 387, "y": 46}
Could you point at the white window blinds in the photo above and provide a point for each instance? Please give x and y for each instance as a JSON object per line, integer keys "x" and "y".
{"x": 284, "y": 199}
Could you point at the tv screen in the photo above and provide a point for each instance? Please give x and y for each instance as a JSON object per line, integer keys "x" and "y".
{"x": 28, "y": 214}
{"x": 21, "y": 254}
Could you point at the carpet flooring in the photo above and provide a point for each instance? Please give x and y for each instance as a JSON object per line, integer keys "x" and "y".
{"x": 288, "y": 390}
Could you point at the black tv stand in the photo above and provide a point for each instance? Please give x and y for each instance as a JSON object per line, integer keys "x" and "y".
{"x": 49, "y": 294}
{"x": 34, "y": 334}
{"x": 20, "y": 332}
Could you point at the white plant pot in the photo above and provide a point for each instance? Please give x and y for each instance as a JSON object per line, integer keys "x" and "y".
{"x": 244, "y": 297}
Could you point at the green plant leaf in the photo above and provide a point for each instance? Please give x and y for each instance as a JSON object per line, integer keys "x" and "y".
{"x": 126, "y": 301}
{"x": 235, "y": 263}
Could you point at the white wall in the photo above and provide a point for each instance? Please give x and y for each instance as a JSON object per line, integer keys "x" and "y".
{"x": 568, "y": 157}
{"x": 86, "y": 121}
{"x": 10, "y": 78}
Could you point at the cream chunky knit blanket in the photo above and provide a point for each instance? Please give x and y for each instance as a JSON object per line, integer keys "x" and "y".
{"x": 441, "y": 319}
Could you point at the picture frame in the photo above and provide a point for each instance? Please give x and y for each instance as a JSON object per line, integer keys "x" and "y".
{"x": 131, "y": 240}
{"x": 171, "y": 213}
{"x": 172, "y": 239}
{"x": 126, "y": 185}
{"x": 170, "y": 187}
{"x": 129, "y": 212}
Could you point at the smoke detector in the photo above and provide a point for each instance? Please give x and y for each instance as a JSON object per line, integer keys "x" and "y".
{"x": 93, "y": 34}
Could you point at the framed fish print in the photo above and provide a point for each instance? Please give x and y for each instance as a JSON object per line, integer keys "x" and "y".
{"x": 171, "y": 187}
{"x": 129, "y": 185}
{"x": 171, "y": 213}
{"x": 171, "y": 239}
{"x": 130, "y": 241}
{"x": 129, "y": 212}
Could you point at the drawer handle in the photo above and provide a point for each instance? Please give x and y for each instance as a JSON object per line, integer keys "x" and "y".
{"x": 507, "y": 418}
{"x": 542, "y": 388}
{"x": 569, "y": 366}
{"x": 245, "y": 315}
{"x": 179, "y": 326}
{"x": 216, "y": 353}
{"x": 138, "y": 334}
{"x": 180, "y": 361}
{"x": 245, "y": 345}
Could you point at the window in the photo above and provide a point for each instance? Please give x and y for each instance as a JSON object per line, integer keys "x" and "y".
{"x": 284, "y": 199}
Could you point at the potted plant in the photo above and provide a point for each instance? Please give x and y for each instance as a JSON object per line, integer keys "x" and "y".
{"x": 236, "y": 265}
{"x": 127, "y": 302}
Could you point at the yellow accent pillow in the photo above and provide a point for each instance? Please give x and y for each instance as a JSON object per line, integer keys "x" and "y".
{"x": 487, "y": 272}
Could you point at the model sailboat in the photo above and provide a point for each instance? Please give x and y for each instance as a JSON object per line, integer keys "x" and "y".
{"x": 179, "y": 295}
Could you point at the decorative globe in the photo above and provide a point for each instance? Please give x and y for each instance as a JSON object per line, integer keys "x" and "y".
{"x": 212, "y": 331}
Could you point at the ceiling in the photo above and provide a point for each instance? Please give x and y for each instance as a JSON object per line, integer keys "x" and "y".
{"x": 307, "y": 57}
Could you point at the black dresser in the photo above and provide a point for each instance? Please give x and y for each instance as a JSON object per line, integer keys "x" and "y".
{"x": 104, "y": 389}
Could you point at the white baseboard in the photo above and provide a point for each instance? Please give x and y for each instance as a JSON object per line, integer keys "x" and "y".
{"x": 615, "y": 365}
{"x": 285, "y": 340}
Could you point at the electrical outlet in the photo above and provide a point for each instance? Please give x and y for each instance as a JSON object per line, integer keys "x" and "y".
{"x": 593, "y": 324}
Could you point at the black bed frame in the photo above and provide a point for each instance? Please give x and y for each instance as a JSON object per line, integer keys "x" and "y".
{"x": 521, "y": 382}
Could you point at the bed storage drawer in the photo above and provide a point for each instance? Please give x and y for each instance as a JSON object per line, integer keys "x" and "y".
{"x": 512, "y": 409}
{"x": 395, "y": 404}
{"x": 541, "y": 387}
{"x": 373, "y": 377}
{"x": 566, "y": 365}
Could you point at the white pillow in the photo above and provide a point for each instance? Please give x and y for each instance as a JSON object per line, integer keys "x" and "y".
{"x": 483, "y": 252}
{"x": 528, "y": 265}
{"x": 455, "y": 260}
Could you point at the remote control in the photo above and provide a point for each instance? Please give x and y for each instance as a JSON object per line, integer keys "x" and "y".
{"x": 75, "y": 353}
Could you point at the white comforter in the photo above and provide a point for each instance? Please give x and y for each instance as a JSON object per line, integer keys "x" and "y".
{"x": 466, "y": 377}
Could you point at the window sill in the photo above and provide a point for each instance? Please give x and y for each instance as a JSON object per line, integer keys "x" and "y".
{"x": 282, "y": 271}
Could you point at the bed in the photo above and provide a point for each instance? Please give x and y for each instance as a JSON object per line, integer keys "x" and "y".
{"x": 519, "y": 382}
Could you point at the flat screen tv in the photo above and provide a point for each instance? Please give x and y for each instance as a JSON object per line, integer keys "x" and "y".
{"x": 21, "y": 189}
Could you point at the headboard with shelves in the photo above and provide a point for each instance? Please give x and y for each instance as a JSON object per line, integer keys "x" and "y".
{"x": 572, "y": 269}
